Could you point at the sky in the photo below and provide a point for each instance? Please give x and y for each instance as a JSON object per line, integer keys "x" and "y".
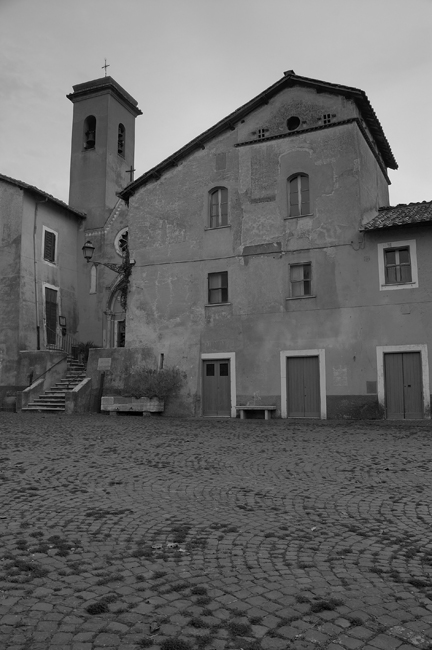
{"x": 189, "y": 63}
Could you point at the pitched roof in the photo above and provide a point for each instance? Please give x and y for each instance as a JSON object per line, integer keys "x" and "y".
{"x": 49, "y": 197}
{"x": 404, "y": 214}
{"x": 289, "y": 80}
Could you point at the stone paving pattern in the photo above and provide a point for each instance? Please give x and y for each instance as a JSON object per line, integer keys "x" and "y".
{"x": 135, "y": 532}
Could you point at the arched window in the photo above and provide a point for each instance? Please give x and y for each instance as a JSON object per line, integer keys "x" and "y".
{"x": 93, "y": 279}
{"x": 90, "y": 132}
{"x": 218, "y": 207}
{"x": 121, "y": 140}
{"x": 298, "y": 195}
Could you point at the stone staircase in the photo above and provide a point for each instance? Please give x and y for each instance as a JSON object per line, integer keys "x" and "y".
{"x": 53, "y": 400}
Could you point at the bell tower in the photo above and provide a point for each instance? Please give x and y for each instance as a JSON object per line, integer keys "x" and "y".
{"x": 103, "y": 147}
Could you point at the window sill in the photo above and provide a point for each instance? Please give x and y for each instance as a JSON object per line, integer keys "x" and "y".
{"x": 299, "y": 216}
{"x": 300, "y": 297}
{"x": 400, "y": 285}
{"x": 218, "y": 304}
{"x": 50, "y": 263}
{"x": 218, "y": 227}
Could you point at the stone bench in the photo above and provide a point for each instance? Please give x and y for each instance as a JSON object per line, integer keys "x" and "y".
{"x": 260, "y": 407}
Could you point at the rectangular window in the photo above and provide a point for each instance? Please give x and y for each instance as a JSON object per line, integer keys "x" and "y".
{"x": 49, "y": 251}
{"x": 217, "y": 287}
{"x": 299, "y": 200}
{"x": 397, "y": 263}
{"x": 219, "y": 207}
{"x": 301, "y": 280}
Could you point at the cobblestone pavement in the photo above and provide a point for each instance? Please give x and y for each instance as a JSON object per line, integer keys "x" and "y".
{"x": 134, "y": 532}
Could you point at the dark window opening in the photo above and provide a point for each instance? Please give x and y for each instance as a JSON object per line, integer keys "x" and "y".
{"x": 210, "y": 370}
{"x": 121, "y": 140}
{"x": 327, "y": 118}
{"x": 218, "y": 288}
{"x": 293, "y": 123}
{"x": 90, "y": 132}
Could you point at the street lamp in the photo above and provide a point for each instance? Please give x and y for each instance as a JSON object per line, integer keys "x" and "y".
{"x": 124, "y": 269}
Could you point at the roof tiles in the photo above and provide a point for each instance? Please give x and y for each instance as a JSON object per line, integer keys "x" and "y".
{"x": 404, "y": 214}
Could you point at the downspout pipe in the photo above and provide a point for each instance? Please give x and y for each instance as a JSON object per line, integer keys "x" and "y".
{"x": 35, "y": 272}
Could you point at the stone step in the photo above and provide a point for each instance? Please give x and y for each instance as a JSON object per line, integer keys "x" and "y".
{"x": 50, "y": 397}
{"x": 45, "y": 408}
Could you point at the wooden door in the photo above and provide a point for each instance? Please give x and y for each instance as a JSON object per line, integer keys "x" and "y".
{"x": 303, "y": 387}
{"x": 216, "y": 387}
{"x": 403, "y": 386}
{"x": 51, "y": 315}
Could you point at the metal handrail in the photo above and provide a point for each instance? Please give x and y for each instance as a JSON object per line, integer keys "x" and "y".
{"x": 33, "y": 380}
{"x": 57, "y": 341}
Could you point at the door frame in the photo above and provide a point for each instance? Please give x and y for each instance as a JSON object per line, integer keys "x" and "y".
{"x": 381, "y": 350}
{"x": 286, "y": 354}
{"x": 208, "y": 356}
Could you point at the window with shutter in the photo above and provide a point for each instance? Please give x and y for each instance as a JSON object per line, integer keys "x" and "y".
{"x": 49, "y": 246}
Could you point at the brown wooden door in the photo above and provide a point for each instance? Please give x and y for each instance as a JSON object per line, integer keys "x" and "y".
{"x": 303, "y": 387}
{"x": 216, "y": 387}
{"x": 403, "y": 386}
{"x": 51, "y": 315}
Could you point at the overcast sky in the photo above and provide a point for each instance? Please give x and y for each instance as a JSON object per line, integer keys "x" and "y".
{"x": 189, "y": 63}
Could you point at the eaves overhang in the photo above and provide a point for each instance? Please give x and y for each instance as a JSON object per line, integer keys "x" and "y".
{"x": 48, "y": 197}
{"x": 103, "y": 86}
{"x": 228, "y": 123}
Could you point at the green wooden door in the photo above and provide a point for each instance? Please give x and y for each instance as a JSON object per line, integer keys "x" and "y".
{"x": 216, "y": 388}
{"x": 303, "y": 387}
{"x": 403, "y": 386}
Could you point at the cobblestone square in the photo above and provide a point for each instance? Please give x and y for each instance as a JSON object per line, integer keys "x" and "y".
{"x": 135, "y": 532}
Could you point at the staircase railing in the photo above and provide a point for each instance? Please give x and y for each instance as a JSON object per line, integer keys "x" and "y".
{"x": 64, "y": 342}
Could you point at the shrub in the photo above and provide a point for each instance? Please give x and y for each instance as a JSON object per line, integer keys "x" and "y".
{"x": 147, "y": 382}
{"x": 83, "y": 350}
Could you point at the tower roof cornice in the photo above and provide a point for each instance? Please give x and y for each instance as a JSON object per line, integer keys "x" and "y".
{"x": 100, "y": 87}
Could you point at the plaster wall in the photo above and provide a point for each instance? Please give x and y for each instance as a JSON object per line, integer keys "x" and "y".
{"x": 11, "y": 200}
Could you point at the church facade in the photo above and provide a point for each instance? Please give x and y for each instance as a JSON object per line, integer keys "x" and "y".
{"x": 268, "y": 264}
{"x": 270, "y": 268}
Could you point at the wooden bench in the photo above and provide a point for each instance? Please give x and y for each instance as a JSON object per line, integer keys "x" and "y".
{"x": 260, "y": 407}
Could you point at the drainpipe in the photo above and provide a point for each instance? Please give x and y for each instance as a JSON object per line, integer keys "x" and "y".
{"x": 35, "y": 273}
